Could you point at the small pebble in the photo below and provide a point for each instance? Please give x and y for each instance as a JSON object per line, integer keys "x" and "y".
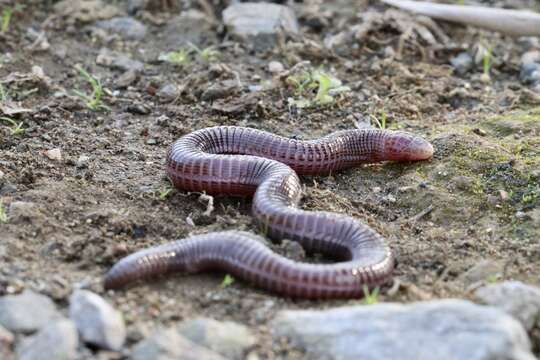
{"x": 82, "y": 161}
{"x": 139, "y": 109}
{"x": 530, "y": 73}
{"x": 167, "y": 93}
{"x": 462, "y": 63}
{"x": 126, "y": 79}
{"x": 275, "y": 67}
{"x": 54, "y": 154}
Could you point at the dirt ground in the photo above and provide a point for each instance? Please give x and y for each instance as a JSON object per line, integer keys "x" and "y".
{"x": 69, "y": 219}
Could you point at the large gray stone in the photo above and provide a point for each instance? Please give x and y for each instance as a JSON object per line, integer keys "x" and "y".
{"x": 515, "y": 298}
{"x": 97, "y": 321}
{"x": 446, "y": 329}
{"x": 26, "y": 312}
{"x": 260, "y": 22}
{"x": 228, "y": 338}
{"x": 128, "y": 28}
{"x": 56, "y": 341}
{"x": 170, "y": 345}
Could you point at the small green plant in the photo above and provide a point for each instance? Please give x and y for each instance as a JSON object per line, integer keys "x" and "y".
{"x": 305, "y": 83}
{"x": 228, "y": 280}
{"x": 3, "y": 94}
{"x": 94, "y": 100}
{"x": 177, "y": 58}
{"x": 372, "y": 297}
{"x": 487, "y": 58}
{"x": 5, "y": 19}
{"x": 3, "y": 213}
{"x": 492, "y": 279}
{"x": 380, "y": 122}
{"x": 15, "y": 128}
{"x": 208, "y": 54}
{"x": 164, "y": 193}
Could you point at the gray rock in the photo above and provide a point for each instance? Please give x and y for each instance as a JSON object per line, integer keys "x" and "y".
{"x": 446, "y": 329}
{"x": 126, "y": 79}
{"x": 169, "y": 345}
{"x": 515, "y": 298}
{"x": 56, "y": 341}
{"x": 98, "y": 323}
{"x": 260, "y": 22}
{"x": 275, "y": 67}
{"x": 530, "y": 73}
{"x": 127, "y": 27}
{"x": 190, "y": 26}
{"x": 462, "y": 63}
{"x": 8, "y": 189}
{"x": 221, "y": 90}
{"x": 167, "y": 93}
{"x": 230, "y": 339}
{"x": 116, "y": 60}
{"x": 530, "y": 57}
{"x": 26, "y": 312}
{"x": 135, "y": 5}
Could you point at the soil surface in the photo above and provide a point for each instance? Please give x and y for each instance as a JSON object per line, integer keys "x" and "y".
{"x": 71, "y": 214}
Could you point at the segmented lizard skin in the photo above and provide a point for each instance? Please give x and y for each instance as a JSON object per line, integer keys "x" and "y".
{"x": 245, "y": 161}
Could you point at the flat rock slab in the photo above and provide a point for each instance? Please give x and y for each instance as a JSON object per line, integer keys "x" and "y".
{"x": 445, "y": 329}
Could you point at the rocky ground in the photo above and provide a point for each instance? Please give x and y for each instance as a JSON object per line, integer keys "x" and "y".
{"x": 93, "y": 92}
